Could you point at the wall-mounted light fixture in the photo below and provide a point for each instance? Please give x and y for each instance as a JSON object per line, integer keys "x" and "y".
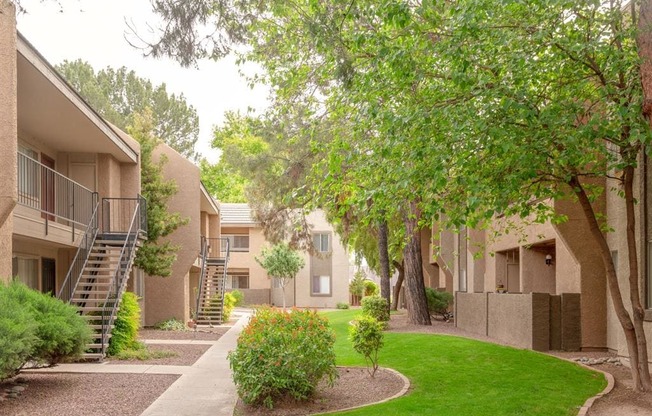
{"x": 548, "y": 259}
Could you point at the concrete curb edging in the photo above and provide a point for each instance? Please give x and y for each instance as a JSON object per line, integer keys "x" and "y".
{"x": 584, "y": 410}
{"x": 404, "y": 390}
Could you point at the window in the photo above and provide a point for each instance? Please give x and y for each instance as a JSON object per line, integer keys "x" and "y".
{"x": 25, "y": 269}
{"x": 461, "y": 251}
{"x": 29, "y": 185}
{"x": 321, "y": 285}
{"x": 237, "y": 242}
{"x": 239, "y": 280}
{"x": 321, "y": 242}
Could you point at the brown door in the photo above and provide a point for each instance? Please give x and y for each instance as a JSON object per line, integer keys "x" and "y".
{"x": 47, "y": 187}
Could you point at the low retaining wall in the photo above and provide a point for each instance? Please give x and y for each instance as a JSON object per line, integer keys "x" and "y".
{"x": 537, "y": 321}
{"x": 256, "y": 296}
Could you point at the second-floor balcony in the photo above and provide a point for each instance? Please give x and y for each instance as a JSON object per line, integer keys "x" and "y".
{"x": 57, "y": 204}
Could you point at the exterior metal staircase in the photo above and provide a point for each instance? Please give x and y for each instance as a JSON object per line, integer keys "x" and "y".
{"x": 99, "y": 273}
{"x": 214, "y": 259}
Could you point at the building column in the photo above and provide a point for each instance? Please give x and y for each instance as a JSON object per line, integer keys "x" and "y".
{"x": 8, "y": 133}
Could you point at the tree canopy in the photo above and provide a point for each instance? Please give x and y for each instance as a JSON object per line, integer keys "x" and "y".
{"x": 455, "y": 112}
{"x": 119, "y": 94}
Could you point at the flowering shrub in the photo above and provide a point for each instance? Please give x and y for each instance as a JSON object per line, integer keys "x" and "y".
{"x": 376, "y": 307}
{"x": 366, "y": 334}
{"x": 282, "y": 353}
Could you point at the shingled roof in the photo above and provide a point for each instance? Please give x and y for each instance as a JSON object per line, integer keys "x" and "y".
{"x": 237, "y": 214}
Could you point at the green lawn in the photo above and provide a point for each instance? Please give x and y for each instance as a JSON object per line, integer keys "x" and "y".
{"x": 460, "y": 377}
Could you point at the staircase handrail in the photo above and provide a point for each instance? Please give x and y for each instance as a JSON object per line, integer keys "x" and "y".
{"x": 89, "y": 238}
{"x": 120, "y": 283}
{"x": 203, "y": 253}
{"x": 224, "y": 275}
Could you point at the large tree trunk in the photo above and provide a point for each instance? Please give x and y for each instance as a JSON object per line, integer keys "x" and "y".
{"x": 640, "y": 374}
{"x": 417, "y": 304}
{"x": 644, "y": 43}
{"x": 383, "y": 257}
{"x": 399, "y": 283}
{"x": 638, "y": 312}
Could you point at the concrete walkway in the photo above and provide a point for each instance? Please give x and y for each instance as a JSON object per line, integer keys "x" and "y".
{"x": 208, "y": 389}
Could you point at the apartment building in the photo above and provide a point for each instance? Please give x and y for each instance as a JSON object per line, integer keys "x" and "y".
{"x": 321, "y": 283}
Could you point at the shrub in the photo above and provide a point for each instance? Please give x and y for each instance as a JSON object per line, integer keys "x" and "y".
{"x": 370, "y": 288}
{"x": 357, "y": 285}
{"x": 438, "y": 302}
{"x": 342, "y": 305}
{"x": 61, "y": 332}
{"x": 366, "y": 334}
{"x": 239, "y": 297}
{"x": 376, "y": 307}
{"x": 171, "y": 324}
{"x": 17, "y": 334}
{"x": 125, "y": 332}
{"x": 229, "y": 304}
{"x": 282, "y": 353}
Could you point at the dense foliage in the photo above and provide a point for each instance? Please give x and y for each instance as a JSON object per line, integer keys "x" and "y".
{"x": 238, "y": 296}
{"x": 125, "y": 331}
{"x": 37, "y": 327}
{"x": 281, "y": 354}
{"x": 119, "y": 94}
{"x": 376, "y": 307}
{"x": 438, "y": 301}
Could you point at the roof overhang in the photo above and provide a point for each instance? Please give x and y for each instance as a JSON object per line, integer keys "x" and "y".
{"x": 52, "y": 112}
{"x": 208, "y": 203}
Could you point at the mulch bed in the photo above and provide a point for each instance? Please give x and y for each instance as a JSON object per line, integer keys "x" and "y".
{"x": 84, "y": 394}
{"x": 354, "y": 387}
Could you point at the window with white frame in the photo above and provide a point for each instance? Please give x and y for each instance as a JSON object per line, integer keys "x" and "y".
{"x": 321, "y": 242}
{"x": 321, "y": 285}
{"x": 25, "y": 269}
{"x": 29, "y": 176}
{"x": 237, "y": 242}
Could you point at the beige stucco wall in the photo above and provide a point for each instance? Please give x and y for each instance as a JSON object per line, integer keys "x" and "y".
{"x": 576, "y": 236}
{"x": 8, "y": 133}
{"x": 471, "y": 312}
{"x": 169, "y": 297}
{"x": 519, "y": 320}
{"x": 246, "y": 260}
{"x": 618, "y": 243}
{"x": 339, "y": 271}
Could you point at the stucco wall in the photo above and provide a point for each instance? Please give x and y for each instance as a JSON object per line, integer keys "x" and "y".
{"x": 339, "y": 271}
{"x": 247, "y": 260}
{"x": 520, "y": 320}
{"x": 169, "y": 297}
{"x": 8, "y": 133}
{"x": 471, "y": 312}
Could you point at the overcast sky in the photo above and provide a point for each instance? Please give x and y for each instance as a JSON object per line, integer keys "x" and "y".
{"x": 94, "y": 30}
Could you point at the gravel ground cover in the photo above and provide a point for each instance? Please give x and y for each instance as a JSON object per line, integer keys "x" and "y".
{"x": 203, "y": 334}
{"x": 85, "y": 394}
{"x": 185, "y": 354}
{"x": 354, "y": 387}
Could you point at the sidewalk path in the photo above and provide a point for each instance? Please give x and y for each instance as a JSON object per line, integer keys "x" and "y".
{"x": 208, "y": 389}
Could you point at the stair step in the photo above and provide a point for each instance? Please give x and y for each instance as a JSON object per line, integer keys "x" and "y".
{"x": 98, "y": 356}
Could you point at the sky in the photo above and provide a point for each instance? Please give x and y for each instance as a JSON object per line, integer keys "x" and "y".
{"x": 94, "y": 31}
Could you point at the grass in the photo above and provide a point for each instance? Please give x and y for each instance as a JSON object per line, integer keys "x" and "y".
{"x": 142, "y": 354}
{"x": 459, "y": 376}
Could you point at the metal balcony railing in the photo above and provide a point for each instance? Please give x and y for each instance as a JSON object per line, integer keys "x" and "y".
{"x": 57, "y": 197}
{"x": 119, "y": 213}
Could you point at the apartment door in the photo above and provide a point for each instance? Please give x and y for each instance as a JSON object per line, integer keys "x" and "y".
{"x": 48, "y": 276}
{"x": 47, "y": 187}
{"x": 513, "y": 278}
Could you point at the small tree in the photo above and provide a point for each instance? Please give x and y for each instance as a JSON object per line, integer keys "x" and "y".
{"x": 282, "y": 263}
{"x": 367, "y": 337}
